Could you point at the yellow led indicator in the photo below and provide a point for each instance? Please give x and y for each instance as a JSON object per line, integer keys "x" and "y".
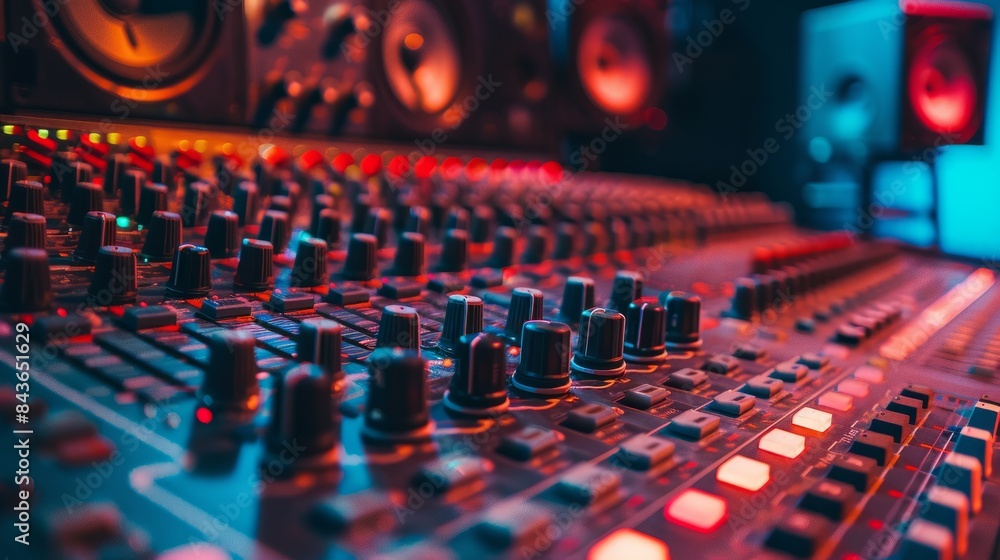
{"x": 114, "y": 138}
{"x": 813, "y": 419}
{"x": 95, "y": 138}
{"x": 8, "y": 129}
{"x": 62, "y": 134}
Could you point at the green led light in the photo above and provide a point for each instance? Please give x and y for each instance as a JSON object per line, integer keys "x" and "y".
{"x": 123, "y": 221}
{"x": 8, "y": 129}
{"x": 43, "y": 133}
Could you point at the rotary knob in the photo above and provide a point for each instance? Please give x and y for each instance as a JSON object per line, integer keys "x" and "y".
{"x": 361, "y": 263}
{"x": 25, "y": 230}
{"x": 481, "y": 226}
{"x": 99, "y": 230}
{"x": 683, "y": 319}
{"x": 194, "y": 211}
{"x": 525, "y": 305}
{"x": 566, "y": 235}
{"x": 27, "y": 197}
{"x": 231, "y": 377}
{"x": 578, "y": 295}
{"x": 152, "y": 199}
{"x": 626, "y": 288}
{"x": 87, "y": 197}
{"x": 191, "y": 274}
{"x": 744, "y": 303}
{"x": 114, "y": 169}
{"x": 131, "y": 189}
{"x": 114, "y": 278}
{"x": 281, "y": 203}
{"x": 399, "y": 328}
{"x": 397, "y": 408}
{"x": 27, "y": 284}
{"x": 419, "y": 220}
{"x": 304, "y": 413}
{"x": 409, "y": 259}
{"x": 245, "y": 202}
{"x": 545, "y": 356}
{"x": 319, "y": 342}
{"x": 309, "y": 268}
{"x": 645, "y": 331}
{"x": 462, "y": 315}
{"x": 66, "y": 175}
{"x": 454, "y": 251}
{"x": 327, "y": 226}
{"x": 163, "y": 237}
{"x": 222, "y": 238}
{"x": 275, "y": 227}
{"x": 479, "y": 385}
{"x": 255, "y": 270}
{"x": 537, "y": 245}
{"x": 458, "y": 218}
{"x": 601, "y": 343}
{"x": 11, "y": 171}
{"x": 359, "y": 213}
{"x": 503, "y": 248}
{"x": 377, "y": 223}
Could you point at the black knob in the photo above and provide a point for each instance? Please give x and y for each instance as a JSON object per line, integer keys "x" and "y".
{"x": 454, "y": 251}
{"x": 397, "y": 408}
{"x": 683, "y": 319}
{"x": 27, "y": 197}
{"x": 595, "y": 239}
{"x": 479, "y": 385}
{"x": 503, "y": 248}
{"x": 245, "y": 202}
{"x": 25, "y": 230}
{"x": 276, "y": 227}
{"x": 410, "y": 259}
{"x": 645, "y": 331}
{"x": 764, "y": 287}
{"x": 481, "y": 226}
{"x": 462, "y": 315}
{"x": 399, "y": 327}
{"x": 11, "y": 171}
{"x": 114, "y": 171}
{"x": 377, "y": 223}
{"x": 163, "y": 173}
{"x": 255, "y": 270}
{"x": 545, "y": 356}
{"x": 458, "y": 218}
{"x": 27, "y": 284}
{"x": 359, "y": 213}
{"x": 578, "y": 295}
{"x": 525, "y": 305}
{"x": 419, "y": 220}
{"x": 309, "y": 268}
{"x": 99, "y": 230}
{"x": 222, "y": 238}
{"x": 327, "y": 226}
{"x": 131, "y": 189}
{"x": 68, "y": 174}
{"x": 626, "y": 288}
{"x": 191, "y": 275}
{"x": 744, "y": 304}
{"x": 114, "y": 279}
{"x": 537, "y": 245}
{"x": 566, "y": 235}
{"x": 152, "y": 199}
{"x": 163, "y": 237}
{"x": 87, "y": 197}
{"x": 362, "y": 262}
{"x": 601, "y": 343}
{"x": 231, "y": 377}
{"x": 304, "y": 413}
{"x": 197, "y": 197}
{"x": 319, "y": 342}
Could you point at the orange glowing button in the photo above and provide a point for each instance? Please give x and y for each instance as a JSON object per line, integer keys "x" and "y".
{"x": 696, "y": 510}
{"x": 744, "y": 472}
{"x": 626, "y": 543}
{"x": 836, "y": 401}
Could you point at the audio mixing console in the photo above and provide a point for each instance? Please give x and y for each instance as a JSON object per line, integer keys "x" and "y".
{"x": 300, "y": 358}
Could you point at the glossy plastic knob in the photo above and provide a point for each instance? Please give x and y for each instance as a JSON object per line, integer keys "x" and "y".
{"x": 462, "y": 315}
{"x": 255, "y": 270}
{"x": 626, "y": 288}
{"x": 114, "y": 278}
{"x": 245, "y": 201}
{"x": 362, "y": 261}
{"x": 410, "y": 259}
{"x": 27, "y": 282}
{"x": 525, "y": 305}
{"x": 99, "y": 230}
{"x": 645, "y": 331}
{"x": 162, "y": 237}
{"x": 27, "y": 197}
{"x": 276, "y": 228}
{"x": 454, "y": 251}
{"x": 222, "y": 238}
{"x": 399, "y": 328}
{"x": 601, "y": 344}
{"x": 25, "y": 230}
{"x": 479, "y": 385}
{"x": 545, "y": 356}
{"x": 503, "y": 248}
{"x": 319, "y": 342}
{"x": 397, "y": 407}
{"x": 304, "y": 416}
{"x": 191, "y": 274}
{"x": 578, "y": 296}
{"x": 152, "y": 199}
{"x": 683, "y": 319}
{"x": 231, "y": 376}
{"x": 87, "y": 197}
{"x": 309, "y": 268}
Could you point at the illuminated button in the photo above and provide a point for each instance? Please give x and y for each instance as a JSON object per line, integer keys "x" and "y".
{"x": 925, "y": 541}
{"x": 949, "y": 508}
{"x": 963, "y": 473}
{"x": 836, "y": 401}
{"x": 626, "y": 543}
{"x": 783, "y": 443}
{"x": 853, "y": 387}
{"x": 696, "y": 510}
{"x": 870, "y": 374}
{"x": 813, "y": 419}
{"x": 744, "y": 472}
{"x": 979, "y": 444}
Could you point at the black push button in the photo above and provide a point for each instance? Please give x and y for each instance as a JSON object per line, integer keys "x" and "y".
{"x": 873, "y": 445}
{"x": 855, "y": 470}
{"x": 829, "y": 498}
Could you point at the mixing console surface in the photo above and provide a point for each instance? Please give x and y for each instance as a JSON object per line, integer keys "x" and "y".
{"x": 293, "y": 358}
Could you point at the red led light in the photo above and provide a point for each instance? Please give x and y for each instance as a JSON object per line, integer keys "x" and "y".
{"x": 203, "y": 415}
{"x": 451, "y": 167}
{"x": 371, "y": 164}
{"x": 425, "y": 167}
{"x": 342, "y": 161}
{"x": 552, "y": 171}
{"x": 399, "y": 166}
{"x": 656, "y": 118}
{"x": 310, "y": 160}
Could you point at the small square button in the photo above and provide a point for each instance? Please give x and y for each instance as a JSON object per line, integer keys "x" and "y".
{"x": 733, "y": 404}
{"x": 694, "y": 424}
{"x": 644, "y": 396}
{"x": 687, "y": 379}
{"x": 697, "y": 510}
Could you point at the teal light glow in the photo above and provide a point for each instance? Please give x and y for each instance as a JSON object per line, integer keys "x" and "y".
{"x": 122, "y": 222}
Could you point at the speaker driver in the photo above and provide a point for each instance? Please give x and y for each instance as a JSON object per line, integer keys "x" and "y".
{"x": 150, "y": 49}
{"x": 614, "y": 66}
{"x": 943, "y": 90}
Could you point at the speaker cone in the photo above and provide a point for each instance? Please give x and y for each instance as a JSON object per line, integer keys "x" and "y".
{"x": 613, "y": 62}
{"x": 943, "y": 90}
